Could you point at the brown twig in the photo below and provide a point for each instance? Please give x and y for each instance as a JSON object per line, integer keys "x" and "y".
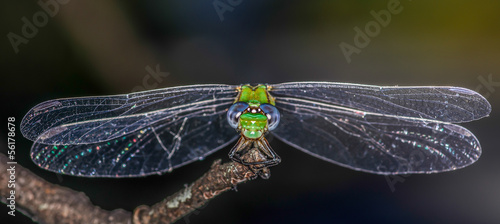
{"x": 49, "y": 203}
{"x": 220, "y": 178}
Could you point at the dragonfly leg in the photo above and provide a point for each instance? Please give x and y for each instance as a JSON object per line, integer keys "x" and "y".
{"x": 239, "y": 149}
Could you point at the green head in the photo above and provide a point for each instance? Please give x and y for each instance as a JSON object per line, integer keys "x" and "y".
{"x": 253, "y": 125}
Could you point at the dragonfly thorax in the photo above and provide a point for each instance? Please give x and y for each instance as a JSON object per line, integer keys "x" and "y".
{"x": 253, "y": 114}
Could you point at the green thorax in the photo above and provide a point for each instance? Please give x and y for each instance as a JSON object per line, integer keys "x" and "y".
{"x": 254, "y": 95}
{"x": 254, "y": 125}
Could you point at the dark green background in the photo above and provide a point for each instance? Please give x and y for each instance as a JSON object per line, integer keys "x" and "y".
{"x": 102, "y": 47}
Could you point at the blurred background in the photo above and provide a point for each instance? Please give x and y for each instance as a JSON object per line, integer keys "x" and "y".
{"x": 81, "y": 48}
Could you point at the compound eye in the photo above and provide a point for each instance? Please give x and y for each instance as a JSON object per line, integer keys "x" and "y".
{"x": 234, "y": 112}
{"x": 272, "y": 114}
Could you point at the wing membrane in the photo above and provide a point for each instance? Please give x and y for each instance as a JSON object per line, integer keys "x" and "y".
{"x": 90, "y": 120}
{"x": 372, "y": 142}
{"x": 155, "y": 149}
{"x": 448, "y": 104}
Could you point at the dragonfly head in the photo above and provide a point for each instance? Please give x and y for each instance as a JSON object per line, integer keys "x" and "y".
{"x": 253, "y": 119}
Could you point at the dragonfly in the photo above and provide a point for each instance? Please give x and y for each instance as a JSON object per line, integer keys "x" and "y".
{"x": 384, "y": 130}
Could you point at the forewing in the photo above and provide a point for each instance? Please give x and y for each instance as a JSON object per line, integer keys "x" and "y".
{"x": 169, "y": 143}
{"x": 88, "y": 120}
{"x": 373, "y": 142}
{"x": 448, "y": 104}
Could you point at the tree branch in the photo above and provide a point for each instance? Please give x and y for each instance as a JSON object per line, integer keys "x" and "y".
{"x": 49, "y": 203}
{"x": 220, "y": 178}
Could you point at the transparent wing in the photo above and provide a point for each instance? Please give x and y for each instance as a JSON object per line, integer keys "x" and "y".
{"x": 448, "y": 104}
{"x": 176, "y": 140}
{"x": 88, "y": 120}
{"x": 374, "y": 142}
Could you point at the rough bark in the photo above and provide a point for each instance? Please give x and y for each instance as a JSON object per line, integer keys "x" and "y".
{"x": 220, "y": 178}
{"x": 50, "y": 203}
